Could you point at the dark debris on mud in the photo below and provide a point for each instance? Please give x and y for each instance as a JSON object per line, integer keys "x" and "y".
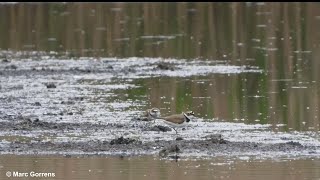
{"x": 5, "y": 60}
{"x": 122, "y": 140}
{"x": 51, "y": 85}
{"x": 166, "y": 66}
{"x": 12, "y": 69}
{"x": 31, "y": 124}
{"x": 210, "y": 145}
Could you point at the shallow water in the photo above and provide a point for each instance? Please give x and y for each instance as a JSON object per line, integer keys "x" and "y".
{"x": 152, "y": 167}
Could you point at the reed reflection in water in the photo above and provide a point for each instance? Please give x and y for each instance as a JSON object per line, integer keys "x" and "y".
{"x": 148, "y": 167}
{"x": 280, "y": 38}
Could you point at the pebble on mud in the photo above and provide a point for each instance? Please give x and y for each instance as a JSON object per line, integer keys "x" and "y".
{"x": 216, "y": 139}
{"x": 51, "y": 85}
{"x": 5, "y": 60}
{"x": 122, "y": 140}
{"x": 69, "y": 102}
{"x": 164, "y": 66}
{"x": 37, "y": 104}
{"x": 12, "y": 66}
{"x": 293, "y": 143}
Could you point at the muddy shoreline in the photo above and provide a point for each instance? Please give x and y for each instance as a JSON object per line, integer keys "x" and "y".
{"x": 211, "y": 145}
{"x": 71, "y": 107}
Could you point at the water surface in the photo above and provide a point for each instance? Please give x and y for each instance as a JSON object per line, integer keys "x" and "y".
{"x": 152, "y": 167}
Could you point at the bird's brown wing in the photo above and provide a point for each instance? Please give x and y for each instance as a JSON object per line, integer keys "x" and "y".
{"x": 176, "y": 118}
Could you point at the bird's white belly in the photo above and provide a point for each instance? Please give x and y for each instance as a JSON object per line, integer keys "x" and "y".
{"x": 174, "y": 124}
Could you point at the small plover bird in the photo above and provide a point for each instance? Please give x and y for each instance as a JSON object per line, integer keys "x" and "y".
{"x": 177, "y": 120}
{"x": 151, "y": 114}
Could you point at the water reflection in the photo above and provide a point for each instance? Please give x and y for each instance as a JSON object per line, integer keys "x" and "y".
{"x": 280, "y": 38}
{"x": 149, "y": 167}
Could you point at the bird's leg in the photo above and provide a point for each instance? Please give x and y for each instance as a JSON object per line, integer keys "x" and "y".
{"x": 177, "y": 151}
{"x": 175, "y": 130}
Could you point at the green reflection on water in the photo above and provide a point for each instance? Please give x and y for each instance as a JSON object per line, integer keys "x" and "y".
{"x": 280, "y": 38}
